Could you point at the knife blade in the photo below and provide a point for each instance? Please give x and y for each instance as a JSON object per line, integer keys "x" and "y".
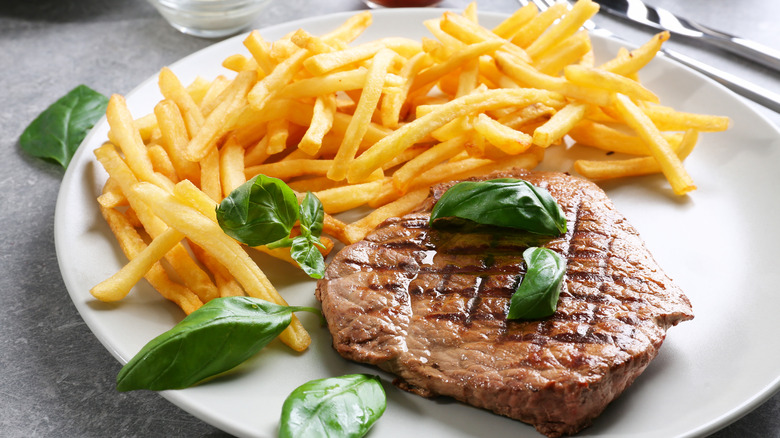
{"x": 659, "y": 18}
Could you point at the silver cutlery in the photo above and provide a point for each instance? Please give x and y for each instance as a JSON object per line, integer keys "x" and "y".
{"x": 736, "y": 84}
{"x": 659, "y": 18}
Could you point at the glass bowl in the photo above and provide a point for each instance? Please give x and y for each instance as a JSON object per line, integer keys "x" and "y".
{"x": 210, "y": 18}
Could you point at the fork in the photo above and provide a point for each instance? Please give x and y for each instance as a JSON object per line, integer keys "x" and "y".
{"x": 736, "y": 84}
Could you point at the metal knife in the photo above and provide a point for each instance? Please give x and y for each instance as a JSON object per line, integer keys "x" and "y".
{"x": 637, "y": 11}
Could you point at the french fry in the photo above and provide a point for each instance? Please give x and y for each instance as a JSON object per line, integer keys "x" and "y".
{"x": 216, "y": 124}
{"x": 472, "y": 33}
{"x": 172, "y": 89}
{"x": 314, "y": 184}
{"x": 636, "y": 59}
{"x": 411, "y": 133}
{"x": 538, "y": 24}
{"x": 393, "y": 104}
{"x": 210, "y": 181}
{"x": 567, "y": 26}
{"x": 132, "y": 245}
{"x": 198, "y": 88}
{"x": 231, "y": 166}
{"x": 175, "y": 140}
{"x": 632, "y": 166}
{"x": 350, "y": 29}
{"x": 357, "y": 230}
{"x": 146, "y": 126}
{"x": 323, "y": 63}
{"x": 277, "y": 133}
{"x": 161, "y": 163}
{"x": 403, "y": 177}
{"x": 568, "y": 51}
{"x": 668, "y": 119}
{"x": 522, "y": 116}
{"x": 226, "y": 284}
{"x": 238, "y": 62}
{"x": 260, "y": 50}
{"x": 559, "y": 124}
{"x": 321, "y": 123}
{"x": 510, "y": 26}
{"x": 128, "y": 139}
{"x": 611, "y": 139}
{"x": 345, "y": 198}
{"x": 526, "y": 74}
{"x": 503, "y": 137}
{"x": 435, "y": 72}
{"x": 211, "y": 97}
{"x": 593, "y": 77}
{"x": 359, "y": 124}
{"x": 659, "y": 148}
{"x": 262, "y": 92}
{"x": 118, "y": 285}
{"x": 290, "y": 168}
{"x": 112, "y": 195}
{"x": 227, "y": 251}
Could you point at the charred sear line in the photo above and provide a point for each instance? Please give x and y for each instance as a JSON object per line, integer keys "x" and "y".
{"x": 447, "y": 290}
{"x": 415, "y": 222}
{"x": 464, "y": 318}
{"x": 409, "y": 245}
{"x": 590, "y": 337}
{"x": 475, "y": 270}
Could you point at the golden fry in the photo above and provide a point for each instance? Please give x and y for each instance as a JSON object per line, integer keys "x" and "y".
{"x": 659, "y": 148}
{"x": 359, "y": 124}
{"x": 415, "y": 131}
{"x": 132, "y": 245}
{"x": 633, "y": 166}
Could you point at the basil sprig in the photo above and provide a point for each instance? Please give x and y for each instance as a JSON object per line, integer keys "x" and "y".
{"x": 507, "y": 202}
{"x": 537, "y": 295}
{"x": 215, "y": 338}
{"x": 345, "y": 406}
{"x": 59, "y": 130}
{"x": 264, "y": 210}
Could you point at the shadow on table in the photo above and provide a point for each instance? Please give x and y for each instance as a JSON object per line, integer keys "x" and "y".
{"x": 61, "y": 11}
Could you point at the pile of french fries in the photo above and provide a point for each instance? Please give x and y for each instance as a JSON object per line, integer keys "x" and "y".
{"x": 373, "y": 125}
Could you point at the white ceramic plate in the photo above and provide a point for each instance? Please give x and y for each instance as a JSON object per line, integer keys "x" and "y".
{"x": 719, "y": 244}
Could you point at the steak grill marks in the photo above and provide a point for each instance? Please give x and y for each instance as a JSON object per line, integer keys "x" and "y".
{"x": 487, "y": 265}
{"x": 430, "y": 306}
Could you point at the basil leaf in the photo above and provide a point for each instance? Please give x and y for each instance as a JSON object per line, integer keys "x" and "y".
{"x": 215, "y": 338}
{"x": 304, "y": 251}
{"x": 312, "y": 215}
{"x": 260, "y": 211}
{"x": 537, "y": 295}
{"x": 345, "y": 406}
{"x": 512, "y": 203}
{"x": 59, "y": 130}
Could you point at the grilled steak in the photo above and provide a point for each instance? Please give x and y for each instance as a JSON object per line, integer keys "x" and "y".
{"x": 430, "y": 306}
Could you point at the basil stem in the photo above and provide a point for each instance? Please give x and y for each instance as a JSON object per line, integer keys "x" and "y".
{"x": 215, "y": 338}
{"x": 264, "y": 210}
{"x": 537, "y": 295}
{"x": 512, "y": 203}
{"x": 59, "y": 130}
{"x": 345, "y": 406}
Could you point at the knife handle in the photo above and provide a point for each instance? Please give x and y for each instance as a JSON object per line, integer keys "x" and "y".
{"x": 748, "y": 49}
{"x": 736, "y": 84}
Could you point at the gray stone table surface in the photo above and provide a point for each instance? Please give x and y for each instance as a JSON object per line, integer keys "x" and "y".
{"x": 56, "y": 379}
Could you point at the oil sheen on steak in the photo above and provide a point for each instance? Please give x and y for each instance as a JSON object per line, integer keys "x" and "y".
{"x": 430, "y": 306}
